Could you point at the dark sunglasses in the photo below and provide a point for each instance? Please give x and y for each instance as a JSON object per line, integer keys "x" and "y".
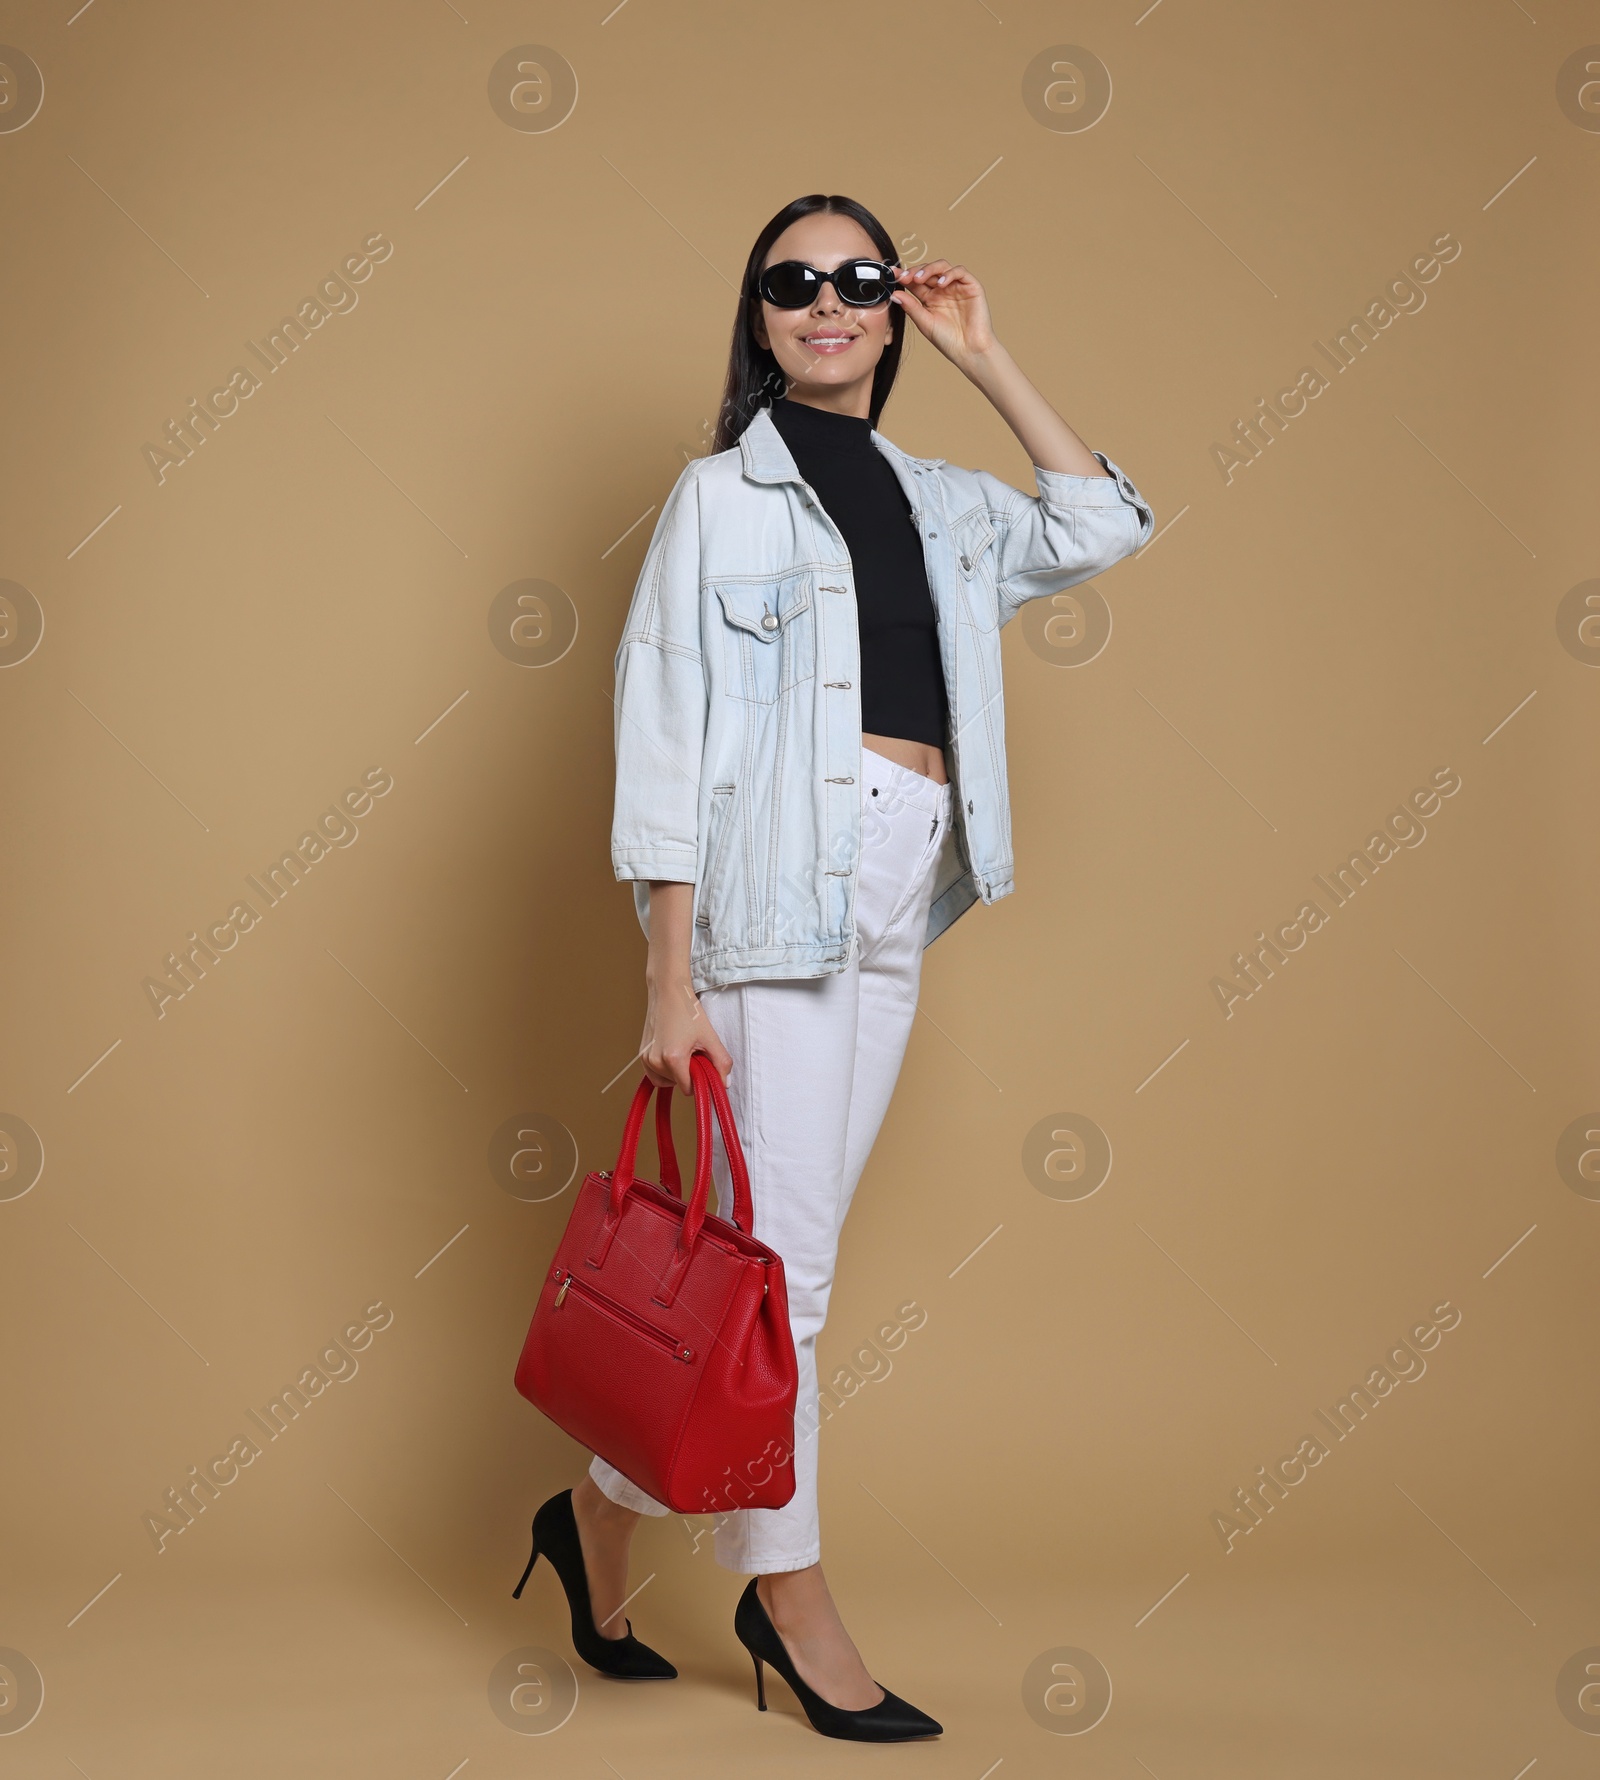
{"x": 792, "y": 284}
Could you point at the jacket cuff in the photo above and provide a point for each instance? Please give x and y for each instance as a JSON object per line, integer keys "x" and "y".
{"x": 1059, "y": 489}
{"x": 667, "y": 865}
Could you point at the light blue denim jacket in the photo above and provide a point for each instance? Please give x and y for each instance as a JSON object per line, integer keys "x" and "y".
{"x": 738, "y": 704}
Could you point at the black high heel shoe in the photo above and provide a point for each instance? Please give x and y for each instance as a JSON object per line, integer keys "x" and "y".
{"x": 555, "y": 1533}
{"x": 892, "y": 1720}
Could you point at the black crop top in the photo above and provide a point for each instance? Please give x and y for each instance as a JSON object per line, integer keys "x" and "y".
{"x": 902, "y": 678}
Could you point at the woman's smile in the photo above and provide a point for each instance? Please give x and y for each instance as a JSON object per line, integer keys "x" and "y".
{"x": 828, "y": 341}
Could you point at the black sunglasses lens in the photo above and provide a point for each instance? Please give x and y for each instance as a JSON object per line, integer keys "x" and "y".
{"x": 789, "y": 285}
{"x": 863, "y": 283}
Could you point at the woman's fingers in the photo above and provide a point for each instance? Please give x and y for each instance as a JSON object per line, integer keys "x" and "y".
{"x": 946, "y": 290}
{"x": 666, "y": 1066}
{"x": 939, "y": 276}
{"x": 940, "y": 289}
{"x": 959, "y": 288}
{"x": 707, "y": 1040}
{"x": 943, "y": 278}
{"x": 673, "y": 1070}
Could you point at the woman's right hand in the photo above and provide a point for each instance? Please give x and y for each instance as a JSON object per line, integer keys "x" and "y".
{"x": 675, "y": 1024}
{"x": 675, "y": 1027}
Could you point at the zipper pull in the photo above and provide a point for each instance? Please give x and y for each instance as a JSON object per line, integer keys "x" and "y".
{"x": 562, "y": 1293}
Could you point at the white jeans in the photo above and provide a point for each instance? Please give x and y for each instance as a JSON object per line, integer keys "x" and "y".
{"x": 814, "y": 1063}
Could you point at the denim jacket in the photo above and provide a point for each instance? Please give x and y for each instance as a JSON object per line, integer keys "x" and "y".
{"x": 738, "y": 708}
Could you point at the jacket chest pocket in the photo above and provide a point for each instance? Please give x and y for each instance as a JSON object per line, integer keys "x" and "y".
{"x": 769, "y": 639}
{"x": 974, "y": 545}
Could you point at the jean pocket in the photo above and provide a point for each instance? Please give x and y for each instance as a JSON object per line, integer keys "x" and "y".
{"x": 769, "y": 645}
{"x": 917, "y": 879}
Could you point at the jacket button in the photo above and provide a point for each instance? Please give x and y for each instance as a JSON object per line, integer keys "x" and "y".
{"x": 933, "y": 534}
{"x": 969, "y": 806}
{"x": 966, "y": 564}
{"x": 769, "y": 621}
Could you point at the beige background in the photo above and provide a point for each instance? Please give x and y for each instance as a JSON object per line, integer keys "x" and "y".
{"x": 302, "y": 1134}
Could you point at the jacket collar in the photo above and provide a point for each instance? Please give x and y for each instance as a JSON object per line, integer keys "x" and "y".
{"x": 768, "y": 459}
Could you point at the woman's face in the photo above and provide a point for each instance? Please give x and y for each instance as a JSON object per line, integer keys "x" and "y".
{"x": 828, "y": 345}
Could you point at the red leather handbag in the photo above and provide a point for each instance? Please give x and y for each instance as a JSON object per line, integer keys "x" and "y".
{"x": 661, "y": 1337}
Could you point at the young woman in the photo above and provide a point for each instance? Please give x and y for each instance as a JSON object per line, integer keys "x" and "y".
{"x": 811, "y": 787}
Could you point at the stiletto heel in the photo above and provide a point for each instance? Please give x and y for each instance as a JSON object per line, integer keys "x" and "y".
{"x": 555, "y": 1536}
{"x": 516, "y": 1593}
{"x": 892, "y": 1720}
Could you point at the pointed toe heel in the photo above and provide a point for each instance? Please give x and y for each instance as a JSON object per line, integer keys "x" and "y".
{"x": 892, "y": 1720}
{"x": 555, "y": 1537}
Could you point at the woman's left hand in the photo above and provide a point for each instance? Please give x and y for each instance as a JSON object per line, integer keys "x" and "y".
{"x": 948, "y": 305}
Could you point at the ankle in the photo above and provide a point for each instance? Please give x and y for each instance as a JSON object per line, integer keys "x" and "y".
{"x": 794, "y": 1599}
{"x": 593, "y": 1505}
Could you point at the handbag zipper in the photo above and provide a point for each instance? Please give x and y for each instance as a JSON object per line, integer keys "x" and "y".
{"x": 620, "y": 1313}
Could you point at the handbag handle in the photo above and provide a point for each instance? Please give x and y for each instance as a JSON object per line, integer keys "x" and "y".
{"x": 670, "y": 1177}
{"x": 710, "y": 1097}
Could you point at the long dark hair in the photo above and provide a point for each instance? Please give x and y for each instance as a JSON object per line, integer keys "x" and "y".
{"x": 755, "y": 379}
